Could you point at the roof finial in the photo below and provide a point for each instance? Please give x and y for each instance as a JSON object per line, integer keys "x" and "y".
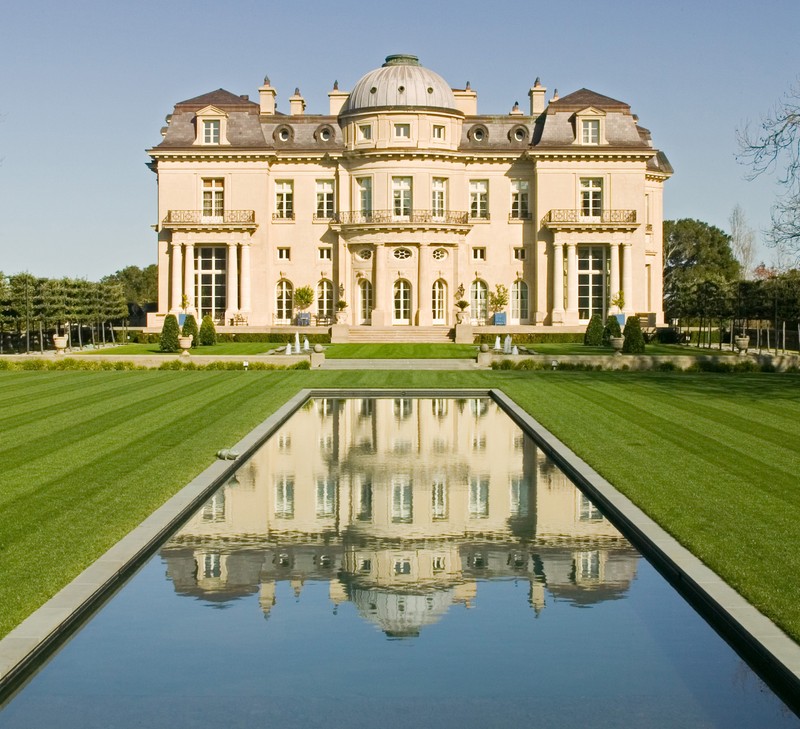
{"x": 555, "y": 94}
{"x": 297, "y": 91}
{"x": 266, "y": 80}
{"x": 537, "y": 83}
{"x": 516, "y": 106}
{"x": 335, "y": 85}
{"x": 468, "y": 87}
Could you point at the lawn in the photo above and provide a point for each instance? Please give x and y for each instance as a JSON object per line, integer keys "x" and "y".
{"x": 713, "y": 458}
{"x": 401, "y": 351}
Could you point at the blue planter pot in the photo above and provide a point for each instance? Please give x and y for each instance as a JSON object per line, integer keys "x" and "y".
{"x": 303, "y": 319}
{"x": 499, "y": 319}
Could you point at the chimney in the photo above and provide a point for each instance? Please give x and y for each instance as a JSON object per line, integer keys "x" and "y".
{"x": 337, "y": 99}
{"x": 537, "y": 94}
{"x": 266, "y": 97}
{"x": 466, "y": 100}
{"x": 297, "y": 104}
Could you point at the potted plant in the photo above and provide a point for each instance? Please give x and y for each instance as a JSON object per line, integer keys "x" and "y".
{"x": 498, "y": 300}
{"x": 303, "y": 298}
{"x": 462, "y": 305}
{"x": 341, "y": 312}
{"x": 185, "y": 342}
{"x": 742, "y": 343}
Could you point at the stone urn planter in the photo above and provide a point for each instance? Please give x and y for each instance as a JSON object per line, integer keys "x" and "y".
{"x": 185, "y": 344}
{"x": 60, "y": 344}
{"x": 341, "y": 317}
{"x": 462, "y": 317}
{"x": 617, "y": 343}
{"x": 742, "y": 343}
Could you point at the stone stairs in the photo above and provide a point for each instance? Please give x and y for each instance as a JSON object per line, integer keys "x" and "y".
{"x": 414, "y": 335}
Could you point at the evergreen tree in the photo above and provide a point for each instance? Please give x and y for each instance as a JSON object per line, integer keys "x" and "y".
{"x": 634, "y": 341}
{"x": 190, "y": 329}
{"x": 208, "y": 332}
{"x": 611, "y": 329}
{"x": 169, "y": 334}
{"x": 594, "y": 332}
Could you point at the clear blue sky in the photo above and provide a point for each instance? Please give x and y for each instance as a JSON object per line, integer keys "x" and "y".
{"x": 85, "y": 86}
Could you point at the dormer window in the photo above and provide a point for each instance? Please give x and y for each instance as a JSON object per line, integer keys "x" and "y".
{"x": 590, "y": 127}
{"x": 438, "y": 132}
{"x": 590, "y": 131}
{"x": 211, "y": 126}
{"x": 402, "y": 131}
{"x": 364, "y": 132}
{"x": 211, "y": 131}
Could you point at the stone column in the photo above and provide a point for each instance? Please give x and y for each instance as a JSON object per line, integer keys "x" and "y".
{"x": 245, "y": 305}
{"x": 627, "y": 278}
{"x": 613, "y": 284}
{"x": 177, "y": 266}
{"x": 233, "y": 283}
{"x": 572, "y": 284}
{"x": 558, "y": 283}
{"x": 380, "y": 286}
{"x": 188, "y": 279}
{"x": 424, "y": 316}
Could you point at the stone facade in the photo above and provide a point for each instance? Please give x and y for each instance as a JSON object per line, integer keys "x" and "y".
{"x": 403, "y": 200}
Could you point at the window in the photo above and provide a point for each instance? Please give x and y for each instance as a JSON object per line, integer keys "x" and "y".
{"x": 519, "y": 254}
{"x": 438, "y": 564}
{"x": 365, "y": 254}
{"x": 438, "y": 132}
{"x": 402, "y": 131}
{"x": 519, "y": 496}
{"x": 591, "y": 196}
{"x": 478, "y": 497}
{"x": 364, "y": 300}
{"x": 284, "y": 200}
{"x": 587, "y": 511}
{"x": 479, "y": 199}
{"x": 284, "y": 497}
{"x": 284, "y": 254}
{"x": 519, "y": 200}
{"x": 402, "y": 500}
{"x": 590, "y": 131}
{"x": 213, "y": 198}
{"x": 284, "y": 294}
{"x": 477, "y": 299}
{"x": 438, "y": 299}
{"x": 211, "y": 267}
{"x": 325, "y": 298}
{"x": 592, "y": 263}
{"x": 402, "y": 408}
{"x": 479, "y": 253}
{"x": 438, "y": 196}
{"x": 364, "y": 194}
{"x": 325, "y": 253}
{"x": 324, "y": 199}
{"x": 439, "y": 254}
{"x": 326, "y": 497}
{"x": 214, "y": 508}
{"x": 364, "y": 132}
{"x": 402, "y": 567}
{"x": 401, "y": 254}
{"x": 211, "y": 129}
{"x": 439, "y": 498}
{"x": 365, "y": 501}
{"x": 401, "y": 195}
{"x": 589, "y": 565}
{"x": 212, "y": 565}
{"x": 519, "y": 301}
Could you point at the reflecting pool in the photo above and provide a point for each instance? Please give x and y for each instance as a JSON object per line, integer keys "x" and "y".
{"x": 397, "y": 562}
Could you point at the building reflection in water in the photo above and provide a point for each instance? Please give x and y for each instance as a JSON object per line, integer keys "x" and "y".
{"x": 404, "y": 507}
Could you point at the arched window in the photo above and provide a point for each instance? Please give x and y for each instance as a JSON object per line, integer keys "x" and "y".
{"x": 284, "y": 294}
{"x": 438, "y": 298}
{"x": 519, "y": 300}
{"x": 477, "y": 299}
{"x": 365, "y": 301}
{"x": 325, "y": 298}
{"x": 402, "y": 302}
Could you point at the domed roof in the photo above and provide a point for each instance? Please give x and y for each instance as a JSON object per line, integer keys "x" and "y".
{"x": 400, "y": 82}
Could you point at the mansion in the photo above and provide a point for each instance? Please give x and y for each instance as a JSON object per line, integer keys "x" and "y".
{"x": 404, "y": 200}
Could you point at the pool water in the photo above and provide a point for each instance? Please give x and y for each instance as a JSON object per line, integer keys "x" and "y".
{"x": 397, "y": 562}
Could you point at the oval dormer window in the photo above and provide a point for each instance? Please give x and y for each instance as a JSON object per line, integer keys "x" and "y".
{"x": 402, "y": 254}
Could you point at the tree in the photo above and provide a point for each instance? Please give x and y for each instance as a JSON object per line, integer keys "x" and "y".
{"x": 776, "y": 146}
{"x": 694, "y": 251}
{"x": 743, "y": 240}
{"x": 498, "y": 299}
{"x": 634, "y": 340}
{"x": 611, "y": 329}
{"x": 208, "y": 332}
{"x": 593, "y": 337}
{"x": 190, "y": 329}
{"x": 169, "y": 334}
{"x": 139, "y": 285}
{"x": 303, "y": 297}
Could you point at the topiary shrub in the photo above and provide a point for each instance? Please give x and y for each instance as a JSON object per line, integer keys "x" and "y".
{"x": 611, "y": 329}
{"x": 190, "y": 329}
{"x": 208, "y": 332}
{"x": 169, "y": 334}
{"x": 634, "y": 341}
{"x": 594, "y": 332}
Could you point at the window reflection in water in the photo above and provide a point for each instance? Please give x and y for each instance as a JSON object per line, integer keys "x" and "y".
{"x": 403, "y": 508}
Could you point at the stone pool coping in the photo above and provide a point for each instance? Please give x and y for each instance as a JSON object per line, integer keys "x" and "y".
{"x": 750, "y": 632}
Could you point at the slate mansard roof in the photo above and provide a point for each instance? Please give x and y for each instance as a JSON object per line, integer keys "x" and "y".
{"x": 554, "y": 129}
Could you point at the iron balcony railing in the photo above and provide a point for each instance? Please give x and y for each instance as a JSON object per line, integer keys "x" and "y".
{"x": 581, "y": 216}
{"x": 358, "y": 217}
{"x": 230, "y": 217}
